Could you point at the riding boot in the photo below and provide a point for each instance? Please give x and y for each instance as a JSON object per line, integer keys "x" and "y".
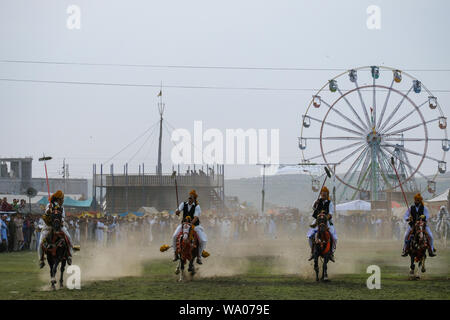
{"x": 312, "y": 249}
{"x": 199, "y": 260}
{"x": 175, "y": 257}
{"x": 405, "y": 250}
{"x": 41, "y": 261}
{"x": 333, "y": 248}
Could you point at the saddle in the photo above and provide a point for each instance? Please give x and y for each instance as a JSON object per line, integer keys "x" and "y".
{"x": 54, "y": 240}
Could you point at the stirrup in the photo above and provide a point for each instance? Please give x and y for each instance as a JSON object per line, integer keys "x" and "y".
{"x": 41, "y": 264}
{"x": 69, "y": 260}
{"x": 312, "y": 257}
{"x": 332, "y": 257}
{"x": 175, "y": 258}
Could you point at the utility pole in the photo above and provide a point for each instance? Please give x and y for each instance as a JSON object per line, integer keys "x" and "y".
{"x": 161, "y": 106}
{"x": 263, "y": 189}
{"x": 64, "y": 174}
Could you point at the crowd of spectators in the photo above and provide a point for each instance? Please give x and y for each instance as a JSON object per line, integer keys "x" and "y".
{"x": 22, "y": 231}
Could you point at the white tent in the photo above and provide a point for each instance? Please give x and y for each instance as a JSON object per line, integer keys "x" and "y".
{"x": 354, "y": 205}
{"x": 442, "y": 197}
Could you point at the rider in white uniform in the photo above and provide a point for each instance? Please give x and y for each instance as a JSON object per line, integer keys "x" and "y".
{"x": 411, "y": 216}
{"x": 442, "y": 217}
{"x": 191, "y": 208}
{"x": 323, "y": 204}
{"x": 57, "y": 199}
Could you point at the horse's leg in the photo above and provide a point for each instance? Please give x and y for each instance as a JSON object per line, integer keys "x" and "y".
{"x": 412, "y": 266}
{"x": 177, "y": 270}
{"x": 61, "y": 279}
{"x": 192, "y": 267}
{"x": 182, "y": 270}
{"x": 423, "y": 264}
{"x": 53, "y": 274}
{"x": 316, "y": 266}
{"x": 325, "y": 269}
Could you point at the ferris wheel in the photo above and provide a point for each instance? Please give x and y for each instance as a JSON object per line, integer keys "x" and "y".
{"x": 364, "y": 117}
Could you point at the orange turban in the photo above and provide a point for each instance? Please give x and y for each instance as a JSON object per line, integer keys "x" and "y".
{"x": 418, "y": 197}
{"x": 194, "y": 194}
{"x": 325, "y": 189}
{"x": 57, "y": 195}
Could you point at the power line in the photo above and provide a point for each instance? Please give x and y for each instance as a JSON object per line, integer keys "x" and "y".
{"x": 194, "y": 66}
{"x": 132, "y": 142}
{"x": 177, "y": 86}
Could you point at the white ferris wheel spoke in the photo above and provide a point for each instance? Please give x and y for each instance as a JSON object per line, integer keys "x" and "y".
{"x": 334, "y": 138}
{"x": 409, "y": 151}
{"x": 357, "y": 161}
{"x": 363, "y": 105}
{"x": 405, "y": 163}
{"x": 344, "y": 116}
{"x": 374, "y": 103}
{"x": 404, "y": 117}
{"x": 385, "y": 105}
{"x": 410, "y": 127}
{"x": 395, "y": 110}
{"x": 337, "y": 126}
{"x": 354, "y": 112}
{"x": 336, "y": 150}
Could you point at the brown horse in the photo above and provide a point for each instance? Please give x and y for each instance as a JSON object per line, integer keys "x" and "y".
{"x": 322, "y": 246}
{"x": 187, "y": 249}
{"x": 55, "y": 246}
{"x": 418, "y": 246}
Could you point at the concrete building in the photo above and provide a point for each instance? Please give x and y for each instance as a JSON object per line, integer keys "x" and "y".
{"x": 16, "y": 178}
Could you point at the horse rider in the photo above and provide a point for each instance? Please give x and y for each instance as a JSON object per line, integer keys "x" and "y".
{"x": 191, "y": 209}
{"x": 442, "y": 217}
{"x": 323, "y": 204}
{"x": 55, "y": 204}
{"x": 416, "y": 212}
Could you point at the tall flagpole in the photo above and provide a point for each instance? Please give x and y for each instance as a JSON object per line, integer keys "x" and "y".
{"x": 161, "y": 111}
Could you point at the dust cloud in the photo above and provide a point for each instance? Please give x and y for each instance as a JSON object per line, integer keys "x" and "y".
{"x": 283, "y": 255}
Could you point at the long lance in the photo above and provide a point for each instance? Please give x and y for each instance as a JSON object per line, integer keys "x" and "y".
{"x": 44, "y": 158}
{"x": 174, "y": 175}
{"x": 400, "y": 183}
{"x": 327, "y": 176}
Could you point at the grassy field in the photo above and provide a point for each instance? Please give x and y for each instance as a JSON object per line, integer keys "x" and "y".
{"x": 260, "y": 278}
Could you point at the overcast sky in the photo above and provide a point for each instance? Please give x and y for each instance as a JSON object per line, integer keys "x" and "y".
{"x": 90, "y": 123}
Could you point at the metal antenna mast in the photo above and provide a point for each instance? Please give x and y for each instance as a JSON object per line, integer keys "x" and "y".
{"x": 161, "y": 106}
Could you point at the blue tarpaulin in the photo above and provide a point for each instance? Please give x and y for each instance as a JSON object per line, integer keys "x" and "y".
{"x": 69, "y": 202}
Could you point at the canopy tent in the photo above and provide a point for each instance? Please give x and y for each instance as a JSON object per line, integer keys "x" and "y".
{"x": 354, "y": 205}
{"x": 435, "y": 203}
{"x": 441, "y": 197}
{"x": 69, "y": 202}
{"x": 148, "y": 210}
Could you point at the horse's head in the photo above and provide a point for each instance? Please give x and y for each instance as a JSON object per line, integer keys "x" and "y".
{"x": 56, "y": 222}
{"x": 322, "y": 220}
{"x": 185, "y": 229}
{"x": 419, "y": 227}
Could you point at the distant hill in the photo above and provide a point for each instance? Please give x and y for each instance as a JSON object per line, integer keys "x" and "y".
{"x": 295, "y": 189}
